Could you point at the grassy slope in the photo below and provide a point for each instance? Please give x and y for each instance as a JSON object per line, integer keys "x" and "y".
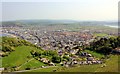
{"x": 40, "y": 71}
{"x": 17, "y": 57}
{"x": 0, "y": 62}
{"x": 112, "y": 66}
{"x": 50, "y": 69}
{"x": 32, "y": 64}
{"x": 100, "y": 34}
{"x": 94, "y": 54}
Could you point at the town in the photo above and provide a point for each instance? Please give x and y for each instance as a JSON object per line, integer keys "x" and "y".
{"x": 70, "y": 46}
{"x": 58, "y": 39}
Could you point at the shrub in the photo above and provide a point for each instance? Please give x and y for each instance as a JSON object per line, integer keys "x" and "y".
{"x": 27, "y": 68}
{"x": 56, "y": 59}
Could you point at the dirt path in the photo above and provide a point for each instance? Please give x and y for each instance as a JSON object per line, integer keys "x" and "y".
{"x": 25, "y": 62}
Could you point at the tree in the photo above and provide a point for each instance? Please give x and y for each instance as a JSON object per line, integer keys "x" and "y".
{"x": 66, "y": 58}
{"x": 105, "y": 50}
{"x": 33, "y": 52}
{"x": 50, "y": 53}
{"x": 118, "y": 41}
{"x": 7, "y": 48}
{"x": 56, "y": 59}
{"x": 27, "y": 68}
{"x": 38, "y": 53}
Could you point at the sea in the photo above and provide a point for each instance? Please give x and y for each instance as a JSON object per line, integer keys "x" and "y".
{"x": 113, "y": 26}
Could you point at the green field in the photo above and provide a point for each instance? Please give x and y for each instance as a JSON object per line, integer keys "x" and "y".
{"x": 33, "y": 63}
{"x": 50, "y": 69}
{"x": 100, "y": 34}
{"x": 111, "y": 66}
{"x": 97, "y": 55}
{"x": 18, "y": 57}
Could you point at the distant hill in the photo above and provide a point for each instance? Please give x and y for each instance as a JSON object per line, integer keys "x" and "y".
{"x": 46, "y": 22}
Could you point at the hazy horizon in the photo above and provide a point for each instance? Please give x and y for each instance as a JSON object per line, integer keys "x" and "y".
{"x": 61, "y": 20}
{"x": 81, "y": 10}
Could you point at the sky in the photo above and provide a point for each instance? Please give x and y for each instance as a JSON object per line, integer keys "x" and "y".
{"x": 98, "y": 10}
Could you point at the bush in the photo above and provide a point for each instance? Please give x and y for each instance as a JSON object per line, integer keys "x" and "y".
{"x": 105, "y": 50}
{"x": 56, "y": 59}
{"x": 27, "y": 68}
{"x": 30, "y": 56}
{"x": 66, "y": 58}
{"x": 7, "y": 48}
{"x": 50, "y": 53}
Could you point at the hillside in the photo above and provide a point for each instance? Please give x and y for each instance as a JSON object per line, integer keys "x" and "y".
{"x": 21, "y": 56}
{"x": 18, "y": 54}
{"x": 111, "y": 66}
{"x": 47, "y": 22}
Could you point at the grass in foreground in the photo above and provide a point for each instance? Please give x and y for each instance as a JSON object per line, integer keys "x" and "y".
{"x": 33, "y": 63}
{"x": 111, "y": 66}
{"x": 17, "y": 57}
